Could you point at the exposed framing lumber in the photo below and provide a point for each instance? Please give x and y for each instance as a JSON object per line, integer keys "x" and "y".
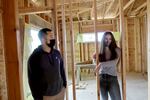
{"x": 126, "y": 44}
{"x": 130, "y": 9}
{"x": 96, "y": 46}
{"x": 55, "y": 22}
{"x": 12, "y": 50}
{"x": 88, "y": 51}
{"x": 43, "y": 19}
{"x": 123, "y": 66}
{"x": 84, "y": 52}
{"x": 117, "y": 11}
{"x": 124, "y": 8}
{"x": 148, "y": 45}
{"x": 72, "y": 51}
{"x": 140, "y": 7}
{"x": 135, "y": 44}
{"x": 128, "y": 4}
{"x": 64, "y": 44}
{"x": 34, "y": 10}
{"x": 138, "y": 40}
{"x": 109, "y": 7}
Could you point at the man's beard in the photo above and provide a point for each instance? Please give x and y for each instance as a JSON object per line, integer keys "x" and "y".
{"x": 51, "y": 44}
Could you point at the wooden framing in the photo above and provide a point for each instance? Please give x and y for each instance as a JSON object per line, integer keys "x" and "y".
{"x": 34, "y": 10}
{"x": 126, "y": 45}
{"x": 55, "y": 22}
{"x": 109, "y": 7}
{"x": 148, "y": 46}
{"x": 72, "y": 50}
{"x": 140, "y": 7}
{"x": 128, "y": 4}
{"x": 123, "y": 66}
{"x": 12, "y": 50}
{"x": 96, "y": 46}
{"x": 138, "y": 40}
{"x": 135, "y": 44}
{"x": 84, "y": 51}
{"x": 64, "y": 44}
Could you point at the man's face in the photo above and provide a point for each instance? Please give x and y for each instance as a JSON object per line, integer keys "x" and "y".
{"x": 49, "y": 36}
{"x": 107, "y": 40}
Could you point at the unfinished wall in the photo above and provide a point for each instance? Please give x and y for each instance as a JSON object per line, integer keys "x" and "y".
{"x": 84, "y": 51}
{"x": 137, "y": 44}
{"x": 3, "y": 88}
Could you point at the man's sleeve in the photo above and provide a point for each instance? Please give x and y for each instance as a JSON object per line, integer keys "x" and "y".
{"x": 34, "y": 81}
{"x": 63, "y": 74}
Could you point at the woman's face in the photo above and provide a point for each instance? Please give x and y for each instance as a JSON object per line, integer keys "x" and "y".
{"x": 107, "y": 40}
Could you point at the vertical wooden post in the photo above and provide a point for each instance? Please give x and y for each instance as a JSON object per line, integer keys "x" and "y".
{"x": 114, "y": 27}
{"x": 148, "y": 46}
{"x": 80, "y": 46}
{"x": 72, "y": 50}
{"x": 135, "y": 44}
{"x": 26, "y": 17}
{"x": 64, "y": 43}
{"x": 96, "y": 45}
{"x": 12, "y": 49}
{"x": 126, "y": 49}
{"x": 84, "y": 50}
{"x": 123, "y": 66}
{"x": 144, "y": 35}
{"x": 55, "y": 22}
{"x": 138, "y": 40}
{"x": 80, "y": 52}
{"x": 88, "y": 51}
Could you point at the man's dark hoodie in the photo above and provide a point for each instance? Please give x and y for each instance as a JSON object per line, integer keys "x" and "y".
{"x": 46, "y": 73}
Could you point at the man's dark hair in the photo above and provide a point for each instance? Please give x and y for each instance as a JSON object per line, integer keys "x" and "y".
{"x": 43, "y": 32}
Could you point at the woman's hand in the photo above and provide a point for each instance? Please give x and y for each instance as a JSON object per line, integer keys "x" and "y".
{"x": 97, "y": 68}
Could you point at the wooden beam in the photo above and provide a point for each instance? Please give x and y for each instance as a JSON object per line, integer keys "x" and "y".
{"x": 55, "y": 22}
{"x": 123, "y": 65}
{"x": 140, "y": 7}
{"x": 126, "y": 44}
{"x": 148, "y": 45}
{"x": 124, "y": 8}
{"x": 34, "y": 10}
{"x": 72, "y": 50}
{"x": 135, "y": 44}
{"x": 128, "y": 4}
{"x": 96, "y": 46}
{"x": 64, "y": 44}
{"x": 117, "y": 11}
{"x": 130, "y": 9}
{"x": 12, "y": 50}
{"x": 109, "y": 7}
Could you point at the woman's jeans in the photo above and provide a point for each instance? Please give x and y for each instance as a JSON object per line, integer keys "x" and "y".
{"x": 109, "y": 84}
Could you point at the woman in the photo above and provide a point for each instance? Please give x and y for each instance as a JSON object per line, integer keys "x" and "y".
{"x": 108, "y": 58}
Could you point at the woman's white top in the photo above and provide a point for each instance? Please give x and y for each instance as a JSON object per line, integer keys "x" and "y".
{"x": 110, "y": 67}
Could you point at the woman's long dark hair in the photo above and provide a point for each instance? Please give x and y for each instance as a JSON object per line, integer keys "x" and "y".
{"x": 112, "y": 48}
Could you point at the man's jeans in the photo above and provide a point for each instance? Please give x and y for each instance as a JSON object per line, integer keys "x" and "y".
{"x": 109, "y": 84}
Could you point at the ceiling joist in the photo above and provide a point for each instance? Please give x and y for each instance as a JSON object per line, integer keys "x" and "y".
{"x": 128, "y": 4}
{"x": 34, "y": 10}
{"x": 140, "y": 7}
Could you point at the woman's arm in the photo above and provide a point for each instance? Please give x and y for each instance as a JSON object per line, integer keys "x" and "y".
{"x": 115, "y": 61}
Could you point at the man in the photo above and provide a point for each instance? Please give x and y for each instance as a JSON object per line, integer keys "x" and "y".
{"x": 46, "y": 74}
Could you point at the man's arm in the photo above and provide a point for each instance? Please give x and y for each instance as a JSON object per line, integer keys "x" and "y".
{"x": 34, "y": 78}
{"x": 63, "y": 74}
